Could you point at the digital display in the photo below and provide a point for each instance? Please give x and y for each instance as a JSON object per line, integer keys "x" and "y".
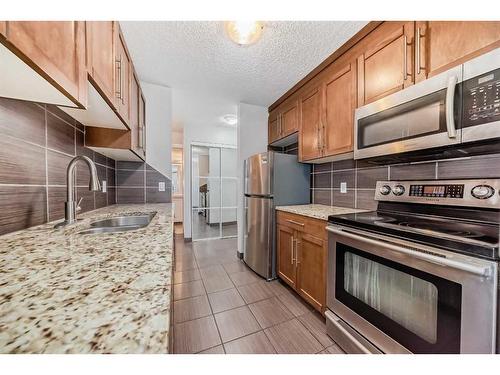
{"x": 434, "y": 189}
{"x": 437, "y": 191}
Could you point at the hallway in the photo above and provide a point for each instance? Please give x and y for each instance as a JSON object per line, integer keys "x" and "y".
{"x": 221, "y": 306}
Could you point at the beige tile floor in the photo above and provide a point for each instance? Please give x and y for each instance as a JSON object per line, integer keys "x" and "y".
{"x": 221, "y": 306}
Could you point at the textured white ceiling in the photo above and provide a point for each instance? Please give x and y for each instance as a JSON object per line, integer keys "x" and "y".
{"x": 197, "y": 55}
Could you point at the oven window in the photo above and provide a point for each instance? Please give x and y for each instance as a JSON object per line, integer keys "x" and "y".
{"x": 419, "y": 310}
{"x": 419, "y": 117}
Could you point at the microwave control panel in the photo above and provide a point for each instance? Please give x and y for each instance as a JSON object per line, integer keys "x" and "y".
{"x": 481, "y": 99}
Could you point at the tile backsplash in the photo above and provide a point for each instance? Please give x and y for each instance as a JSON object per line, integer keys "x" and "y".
{"x": 138, "y": 182}
{"x": 37, "y": 142}
{"x": 362, "y": 177}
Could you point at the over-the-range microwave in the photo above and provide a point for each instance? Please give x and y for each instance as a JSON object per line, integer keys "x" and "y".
{"x": 458, "y": 106}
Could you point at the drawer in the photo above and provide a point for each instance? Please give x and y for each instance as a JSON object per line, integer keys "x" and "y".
{"x": 309, "y": 225}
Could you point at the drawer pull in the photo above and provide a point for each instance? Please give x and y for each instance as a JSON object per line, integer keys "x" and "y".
{"x": 294, "y": 222}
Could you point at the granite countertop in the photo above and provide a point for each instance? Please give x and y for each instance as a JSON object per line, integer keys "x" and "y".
{"x": 62, "y": 292}
{"x": 318, "y": 211}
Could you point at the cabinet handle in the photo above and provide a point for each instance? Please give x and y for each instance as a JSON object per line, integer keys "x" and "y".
{"x": 294, "y": 222}
{"x": 418, "y": 36}
{"x": 324, "y": 138}
{"x": 119, "y": 71}
{"x": 405, "y": 58}
{"x": 297, "y": 243}
{"x": 318, "y": 138}
{"x": 281, "y": 124}
{"x": 291, "y": 250}
{"x": 141, "y": 140}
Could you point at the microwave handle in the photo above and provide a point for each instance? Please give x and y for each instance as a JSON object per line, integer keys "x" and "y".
{"x": 450, "y": 106}
{"x": 470, "y": 268}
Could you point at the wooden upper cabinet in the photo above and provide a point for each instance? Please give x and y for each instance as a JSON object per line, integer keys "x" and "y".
{"x": 289, "y": 112}
{"x": 134, "y": 112}
{"x": 101, "y": 56}
{"x": 122, "y": 78}
{"x": 56, "y": 50}
{"x": 3, "y": 28}
{"x": 273, "y": 126}
{"x": 386, "y": 65}
{"x": 310, "y": 145}
{"x": 441, "y": 45}
{"x": 286, "y": 255}
{"x": 339, "y": 103}
{"x": 311, "y": 272}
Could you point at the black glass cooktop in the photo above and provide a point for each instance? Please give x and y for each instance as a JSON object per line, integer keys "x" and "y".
{"x": 464, "y": 236}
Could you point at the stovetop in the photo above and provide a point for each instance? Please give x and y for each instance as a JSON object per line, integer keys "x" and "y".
{"x": 471, "y": 237}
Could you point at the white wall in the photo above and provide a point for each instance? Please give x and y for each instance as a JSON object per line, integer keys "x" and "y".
{"x": 158, "y": 127}
{"x": 252, "y": 139}
{"x": 199, "y": 114}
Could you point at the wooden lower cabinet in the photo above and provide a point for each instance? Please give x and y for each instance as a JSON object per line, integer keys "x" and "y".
{"x": 311, "y": 269}
{"x": 287, "y": 268}
{"x": 302, "y": 250}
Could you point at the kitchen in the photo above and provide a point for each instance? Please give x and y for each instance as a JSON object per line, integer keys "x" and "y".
{"x": 204, "y": 204}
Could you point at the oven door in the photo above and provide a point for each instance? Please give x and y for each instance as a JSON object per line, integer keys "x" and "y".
{"x": 408, "y": 298}
{"x": 422, "y": 116}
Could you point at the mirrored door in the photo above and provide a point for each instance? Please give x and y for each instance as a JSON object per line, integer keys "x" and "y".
{"x": 213, "y": 192}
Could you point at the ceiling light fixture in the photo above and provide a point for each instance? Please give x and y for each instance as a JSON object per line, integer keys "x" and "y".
{"x": 244, "y": 32}
{"x": 230, "y": 119}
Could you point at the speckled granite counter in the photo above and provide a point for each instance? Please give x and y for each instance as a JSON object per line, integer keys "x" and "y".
{"x": 62, "y": 292}
{"x": 317, "y": 211}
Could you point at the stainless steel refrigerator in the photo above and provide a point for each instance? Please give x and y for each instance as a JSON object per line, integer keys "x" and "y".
{"x": 271, "y": 179}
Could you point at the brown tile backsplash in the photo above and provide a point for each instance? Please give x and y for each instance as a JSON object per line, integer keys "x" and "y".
{"x": 37, "y": 142}
{"x": 137, "y": 182}
{"x": 362, "y": 176}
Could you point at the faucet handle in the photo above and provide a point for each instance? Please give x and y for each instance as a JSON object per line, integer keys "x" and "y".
{"x": 78, "y": 208}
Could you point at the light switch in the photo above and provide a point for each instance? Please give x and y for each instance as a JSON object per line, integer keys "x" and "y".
{"x": 343, "y": 187}
{"x": 161, "y": 186}
{"x": 104, "y": 186}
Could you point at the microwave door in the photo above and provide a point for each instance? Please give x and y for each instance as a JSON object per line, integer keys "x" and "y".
{"x": 422, "y": 116}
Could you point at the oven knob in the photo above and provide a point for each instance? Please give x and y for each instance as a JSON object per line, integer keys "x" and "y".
{"x": 482, "y": 191}
{"x": 385, "y": 189}
{"x": 398, "y": 190}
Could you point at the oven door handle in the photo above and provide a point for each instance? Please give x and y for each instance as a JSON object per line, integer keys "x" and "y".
{"x": 470, "y": 268}
{"x": 450, "y": 107}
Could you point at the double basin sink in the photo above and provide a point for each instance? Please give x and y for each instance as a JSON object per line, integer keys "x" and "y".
{"x": 119, "y": 224}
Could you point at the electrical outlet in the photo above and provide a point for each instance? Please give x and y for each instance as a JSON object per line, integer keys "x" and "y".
{"x": 104, "y": 186}
{"x": 343, "y": 187}
{"x": 161, "y": 186}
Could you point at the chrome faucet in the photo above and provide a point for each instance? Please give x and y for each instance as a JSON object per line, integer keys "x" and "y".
{"x": 70, "y": 206}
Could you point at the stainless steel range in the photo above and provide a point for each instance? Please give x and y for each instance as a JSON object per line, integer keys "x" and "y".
{"x": 419, "y": 274}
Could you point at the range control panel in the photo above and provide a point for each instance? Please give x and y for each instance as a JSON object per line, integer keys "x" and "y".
{"x": 443, "y": 191}
{"x": 474, "y": 193}
{"x": 481, "y": 99}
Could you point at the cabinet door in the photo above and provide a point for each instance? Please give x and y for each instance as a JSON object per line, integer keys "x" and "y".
{"x": 57, "y": 51}
{"x": 290, "y": 118}
{"x": 100, "y": 47}
{"x": 339, "y": 102}
{"x": 273, "y": 126}
{"x": 134, "y": 112}
{"x": 311, "y": 269}
{"x": 286, "y": 255}
{"x": 310, "y": 145}
{"x": 123, "y": 78}
{"x": 387, "y": 65}
{"x": 444, "y": 44}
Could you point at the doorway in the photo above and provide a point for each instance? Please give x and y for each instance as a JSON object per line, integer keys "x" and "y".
{"x": 214, "y": 185}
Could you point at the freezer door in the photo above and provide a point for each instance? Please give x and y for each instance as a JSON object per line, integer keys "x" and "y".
{"x": 258, "y": 254}
{"x": 258, "y": 174}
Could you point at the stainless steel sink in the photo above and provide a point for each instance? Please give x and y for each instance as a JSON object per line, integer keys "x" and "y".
{"x": 119, "y": 224}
